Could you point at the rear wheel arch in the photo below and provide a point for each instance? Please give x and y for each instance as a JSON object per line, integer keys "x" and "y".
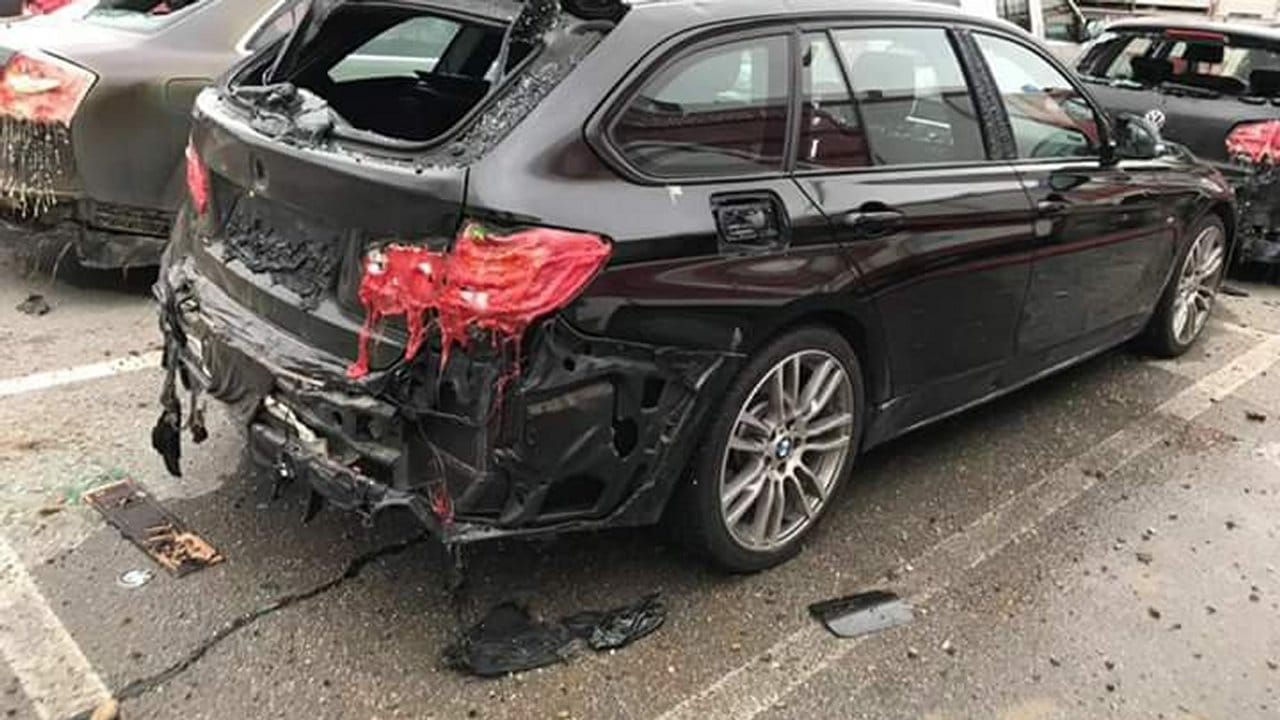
{"x": 858, "y": 331}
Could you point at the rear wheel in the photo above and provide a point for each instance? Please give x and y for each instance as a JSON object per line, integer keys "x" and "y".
{"x": 784, "y": 439}
{"x": 1185, "y": 307}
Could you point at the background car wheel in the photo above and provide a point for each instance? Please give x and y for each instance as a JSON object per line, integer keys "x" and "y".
{"x": 784, "y": 438}
{"x": 1187, "y": 302}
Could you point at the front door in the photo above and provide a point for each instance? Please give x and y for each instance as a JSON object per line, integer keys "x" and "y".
{"x": 1104, "y": 243}
{"x": 941, "y": 234}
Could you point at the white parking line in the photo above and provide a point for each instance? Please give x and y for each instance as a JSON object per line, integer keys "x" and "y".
{"x": 54, "y": 673}
{"x": 756, "y": 685}
{"x": 81, "y": 373}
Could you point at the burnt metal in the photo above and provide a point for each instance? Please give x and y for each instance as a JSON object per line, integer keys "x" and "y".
{"x": 862, "y": 614}
{"x": 133, "y": 123}
{"x": 156, "y": 531}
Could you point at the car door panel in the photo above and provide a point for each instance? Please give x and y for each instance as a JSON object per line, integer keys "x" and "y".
{"x": 948, "y": 279}
{"x": 1102, "y": 234}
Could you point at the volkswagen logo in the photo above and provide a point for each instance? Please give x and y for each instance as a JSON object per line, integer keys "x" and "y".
{"x": 1155, "y": 117}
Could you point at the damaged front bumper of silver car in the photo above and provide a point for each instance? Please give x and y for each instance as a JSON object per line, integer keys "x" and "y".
{"x": 587, "y": 433}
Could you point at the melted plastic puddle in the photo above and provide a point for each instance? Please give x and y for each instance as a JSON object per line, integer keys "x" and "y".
{"x": 510, "y": 640}
{"x": 862, "y": 614}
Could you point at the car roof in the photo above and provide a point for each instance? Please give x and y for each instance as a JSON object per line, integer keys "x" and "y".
{"x": 749, "y": 8}
{"x": 1261, "y": 32}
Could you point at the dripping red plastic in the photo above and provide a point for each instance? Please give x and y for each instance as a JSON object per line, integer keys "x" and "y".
{"x": 1259, "y": 142}
{"x": 492, "y": 283}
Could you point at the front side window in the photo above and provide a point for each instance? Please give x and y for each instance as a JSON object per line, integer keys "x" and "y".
{"x": 1050, "y": 118}
{"x": 915, "y": 104}
{"x": 718, "y": 111}
{"x": 406, "y": 50}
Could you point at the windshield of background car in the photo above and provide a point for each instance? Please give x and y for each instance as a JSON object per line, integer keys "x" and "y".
{"x": 129, "y": 14}
{"x": 1206, "y": 61}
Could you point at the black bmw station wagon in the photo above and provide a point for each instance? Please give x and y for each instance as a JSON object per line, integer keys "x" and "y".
{"x": 569, "y": 265}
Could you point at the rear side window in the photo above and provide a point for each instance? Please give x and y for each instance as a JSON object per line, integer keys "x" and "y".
{"x": 1050, "y": 118}
{"x": 405, "y": 50}
{"x": 717, "y": 111}
{"x": 915, "y": 104}
{"x": 831, "y": 134}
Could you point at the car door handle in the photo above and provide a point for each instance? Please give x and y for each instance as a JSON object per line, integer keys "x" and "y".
{"x": 1052, "y": 208}
{"x": 874, "y": 223}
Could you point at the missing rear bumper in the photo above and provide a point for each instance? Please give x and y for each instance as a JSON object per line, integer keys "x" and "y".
{"x": 590, "y": 433}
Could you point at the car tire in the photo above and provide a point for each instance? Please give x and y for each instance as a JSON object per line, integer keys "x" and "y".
{"x": 1188, "y": 300}
{"x": 818, "y": 370}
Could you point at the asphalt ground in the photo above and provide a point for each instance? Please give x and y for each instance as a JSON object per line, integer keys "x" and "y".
{"x": 1101, "y": 544}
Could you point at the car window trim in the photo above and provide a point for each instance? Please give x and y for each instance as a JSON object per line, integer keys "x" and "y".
{"x": 270, "y": 16}
{"x": 599, "y": 128}
{"x": 1104, "y": 123}
{"x": 831, "y": 28}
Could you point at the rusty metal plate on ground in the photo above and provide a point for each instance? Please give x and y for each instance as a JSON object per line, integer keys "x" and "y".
{"x": 142, "y": 520}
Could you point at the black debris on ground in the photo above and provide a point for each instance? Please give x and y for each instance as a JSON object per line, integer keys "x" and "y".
{"x": 1255, "y": 416}
{"x": 508, "y": 639}
{"x": 862, "y": 614}
{"x": 35, "y": 304}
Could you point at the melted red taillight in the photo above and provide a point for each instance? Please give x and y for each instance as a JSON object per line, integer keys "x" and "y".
{"x": 197, "y": 181}
{"x": 1255, "y": 142}
{"x": 498, "y": 284}
{"x": 41, "y": 88}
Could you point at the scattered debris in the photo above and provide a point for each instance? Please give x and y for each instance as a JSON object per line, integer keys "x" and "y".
{"x": 1233, "y": 291}
{"x": 49, "y": 510}
{"x": 1255, "y": 416}
{"x": 134, "y": 578}
{"x": 1211, "y": 609}
{"x": 142, "y": 520}
{"x": 619, "y": 627}
{"x": 35, "y": 304}
{"x": 948, "y": 647}
{"x": 913, "y": 653}
{"x": 862, "y": 614}
{"x": 1144, "y": 557}
{"x": 508, "y": 639}
{"x": 1273, "y": 665}
{"x": 1148, "y": 533}
{"x": 1055, "y": 661}
{"x": 1154, "y": 613}
{"x": 1231, "y": 525}
{"x": 1109, "y": 664}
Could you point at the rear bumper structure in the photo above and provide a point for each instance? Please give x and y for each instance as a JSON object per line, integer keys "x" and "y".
{"x": 104, "y": 235}
{"x": 584, "y": 433}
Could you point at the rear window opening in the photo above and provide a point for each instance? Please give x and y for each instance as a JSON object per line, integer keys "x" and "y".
{"x": 401, "y": 72}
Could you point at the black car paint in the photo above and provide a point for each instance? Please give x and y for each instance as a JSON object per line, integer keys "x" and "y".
{"x": 958, "y": 304}
{"x": 1201, "y": 122}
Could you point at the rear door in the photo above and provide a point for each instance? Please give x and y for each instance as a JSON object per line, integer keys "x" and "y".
{"x": 1104, "y": 242}
{"x": 940, "y": 231}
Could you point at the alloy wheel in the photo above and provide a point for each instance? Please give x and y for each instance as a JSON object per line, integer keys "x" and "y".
{"x": 786, "y": 450}
{"x": 1198, "y": 284}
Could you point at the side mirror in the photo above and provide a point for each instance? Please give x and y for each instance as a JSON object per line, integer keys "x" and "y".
{"x": 1137, "y": 138}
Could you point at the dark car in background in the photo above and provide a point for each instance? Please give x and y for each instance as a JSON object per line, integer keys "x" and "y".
{"x": 95, "y": 106}
{"x": 682, "y": 260}
{"x": 1211, "y": 87}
